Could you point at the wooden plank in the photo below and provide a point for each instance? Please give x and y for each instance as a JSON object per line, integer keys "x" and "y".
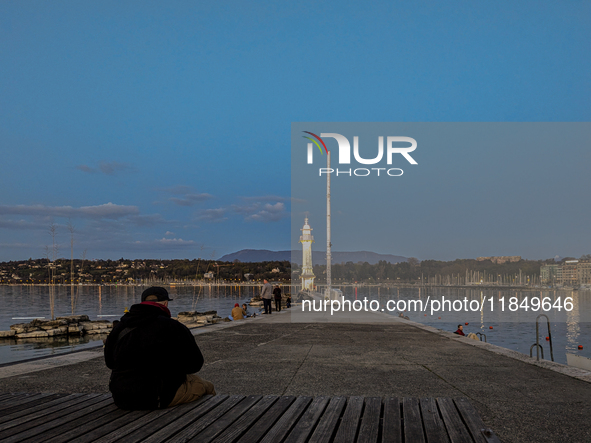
{"x": 121, "y": 432}
{"x": 86, "y": 424}
{"x": 28, "y": 400}
{"x": 413, "y": 426}
{"x": 177, "y": 412}
{"x": 37, "y": 417}
{"x": 458, "y": 433}
{"x": 112, "y": 426}
{"x": 327, "y": 426}
{"x": 40, "y": 405}
{"x": 263, "y": 424}
{"x": 29, "y": 408}
{"x": 222, "y": 423}
{"x": 11, "y": 396}
{"x": 370, "y": 423}
{"x": 347, "y": 431}
{"x": 432, "y": 423}
{"x": 74, "y": 421}
{"x": 306, "y": 424}
{"x": 392, "y": 423}
{"x": 189, "y": 432}
{"x": 198, "y": 409}
{"x": 241, "y": 425}
{"x": 474, "y": 422}
{"x": 283, "y": 426}
{"x": 61, "y": 418}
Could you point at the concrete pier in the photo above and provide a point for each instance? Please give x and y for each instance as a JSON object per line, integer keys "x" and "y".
{"x": 520, "y": 400}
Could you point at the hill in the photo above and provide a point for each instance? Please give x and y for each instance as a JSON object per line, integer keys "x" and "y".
{"x": 318, "y": 257}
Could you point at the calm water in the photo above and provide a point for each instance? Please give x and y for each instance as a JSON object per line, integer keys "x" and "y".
{"x": 513, "y": 330}
{"x": 98, "y": 302}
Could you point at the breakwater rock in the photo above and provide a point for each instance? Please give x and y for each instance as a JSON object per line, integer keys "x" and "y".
{"x": 70, "y": 325}
{"x": 194, "y": 319}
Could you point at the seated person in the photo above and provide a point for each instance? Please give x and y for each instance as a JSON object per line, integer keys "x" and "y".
{"x": 245, "y": 309}
{"x": 153, "y": 358}
{"x": 460, "y": 330}
{"x": 238, "y": 313}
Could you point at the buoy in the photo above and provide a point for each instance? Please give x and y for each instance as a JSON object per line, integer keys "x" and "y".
{"x": 126, "y": 311}
{"x": 425, "y": 315}
{"x": 490, "y": 327}
{"x": 439, "y": 318}
{"x": 466, "y": 323}
{"x": 547, "y": 338}
{"x": 580, "y": 346}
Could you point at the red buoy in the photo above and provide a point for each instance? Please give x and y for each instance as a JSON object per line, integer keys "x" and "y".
{"x": 425, "y": 315}
{"x": 439, "y": 318}
{"x": 490, "y": 327}
{"x": 466, "y": 323}
{"x": 580, "y": 346}
{"x": 547, "y": 338}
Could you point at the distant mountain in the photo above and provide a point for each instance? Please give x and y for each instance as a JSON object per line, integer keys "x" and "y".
{"x": 318, "y": 257}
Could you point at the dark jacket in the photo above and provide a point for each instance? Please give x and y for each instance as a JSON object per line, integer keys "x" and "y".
{"x": 277, "y": 293}
{"x": 150, "y": 361}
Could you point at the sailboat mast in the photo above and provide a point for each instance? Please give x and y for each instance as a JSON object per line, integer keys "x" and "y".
{"x": 328, "y": 243}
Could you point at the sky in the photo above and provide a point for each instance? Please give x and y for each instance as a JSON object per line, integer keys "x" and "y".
{"x": 163, "y": 129}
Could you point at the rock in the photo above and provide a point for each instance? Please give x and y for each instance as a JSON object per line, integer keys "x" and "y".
{"x": 74, "y": 318}
{"x": 96, "y": 331}
{"x": 226, "y": 319}
{"x": 7, "y": 334}
{"x": 35, "y": 334}
{"x": 75, "y": 329}
{"x": 57, "y": 331}
{"x": 88, "y": 325}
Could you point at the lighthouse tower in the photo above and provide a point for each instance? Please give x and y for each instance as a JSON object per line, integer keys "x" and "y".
{"x": 306, "y": 239}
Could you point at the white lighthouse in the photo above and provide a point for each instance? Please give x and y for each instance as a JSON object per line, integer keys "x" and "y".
{"x": 306, "y": 239}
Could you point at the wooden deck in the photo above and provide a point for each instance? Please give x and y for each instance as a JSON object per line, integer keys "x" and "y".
{"x": 239, "y": 418}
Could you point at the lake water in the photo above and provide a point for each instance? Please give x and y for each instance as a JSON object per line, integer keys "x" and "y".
{"x": 22, "y": 303}
{"x": 511, "y": 329}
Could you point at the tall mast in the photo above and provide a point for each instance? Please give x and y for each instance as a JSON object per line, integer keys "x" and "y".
{"x": 328, "y": 243}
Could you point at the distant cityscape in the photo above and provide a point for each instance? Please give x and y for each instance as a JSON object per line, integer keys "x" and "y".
{"x": 572, "y": 273}
{"x": 491, "y": 270}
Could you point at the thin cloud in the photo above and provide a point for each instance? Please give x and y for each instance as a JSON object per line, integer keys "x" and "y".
{"x": 107, "y": 210}
{"x": 190, "y": 199}
{"x": 213, "y": 215}
{"x": 258, "y": 211}
{"x": 86, "y": 168}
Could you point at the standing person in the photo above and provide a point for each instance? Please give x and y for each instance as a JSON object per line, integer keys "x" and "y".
{"x": 460, "y": 330}
{"x": 266, "y": 294}
{"x": 288, "y": 301}
{"x": 277, "y": 296}
{"x": 153, "y": 358}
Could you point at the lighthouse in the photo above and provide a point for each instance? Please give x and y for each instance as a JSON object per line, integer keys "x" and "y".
{"x": 306, "y": 239}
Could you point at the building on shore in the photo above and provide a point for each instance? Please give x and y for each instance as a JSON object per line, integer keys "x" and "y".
{"x": 306, "y": 239}
{"x": 570, "y": 273}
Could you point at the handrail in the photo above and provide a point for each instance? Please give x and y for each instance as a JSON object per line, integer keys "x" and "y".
{"x": 537, "y": 343}
{"x": 482, "y": 335}
{"x": 539, "y": 346}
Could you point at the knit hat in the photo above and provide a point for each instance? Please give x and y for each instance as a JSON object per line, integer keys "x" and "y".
{"x": 236, "y": 305}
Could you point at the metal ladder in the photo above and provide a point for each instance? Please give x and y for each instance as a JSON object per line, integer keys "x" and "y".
{"x": 537, "y": 343}
{"x": 480, "y": 334}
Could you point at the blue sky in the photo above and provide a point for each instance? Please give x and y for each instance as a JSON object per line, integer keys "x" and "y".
{"x": 162, "y": 129}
